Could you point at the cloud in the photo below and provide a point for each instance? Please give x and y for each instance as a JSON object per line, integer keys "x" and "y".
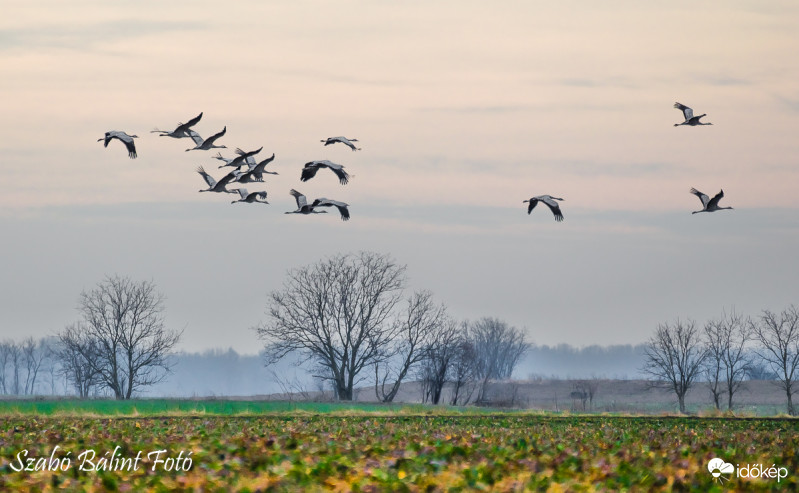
{"x": 596, "y": 82}
{"x": 478, "y": 109}
{"x": 723, "y": 80}
{"x": 332, "y": 77}
{"x": 789, "y": 103}
{"x": 629, "y": 169}
{"x": 87, "y": 37}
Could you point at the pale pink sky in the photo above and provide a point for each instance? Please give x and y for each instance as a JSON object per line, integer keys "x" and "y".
{"x": 463, "y": 110}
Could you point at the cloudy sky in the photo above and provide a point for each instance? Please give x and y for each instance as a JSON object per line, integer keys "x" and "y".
{"x": 463, "y": 110}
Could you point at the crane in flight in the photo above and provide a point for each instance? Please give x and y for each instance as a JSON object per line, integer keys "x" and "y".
{"x": 341, "y": 206}
{"x": 250, "y": 197}
{"x": 347, "y": 142}
{"x": 257, "y": 170}
{"x": 304, "y": 208}
{"x": 239, "y": 160}
{"x": 181, "y": 131}
{"x": 216, "y": 186}
{"x": 302, "y": 205}
{"x": 310, "y": 169}
{"x": 690, "y": 119}
{"x": 122, "y": 137}
{"x": 549, "y": 201}
{"x": 708, "y": 204}
{"x": 205, "y": 144}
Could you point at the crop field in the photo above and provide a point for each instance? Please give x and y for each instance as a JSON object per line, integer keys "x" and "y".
{"x": 392, "y": 450}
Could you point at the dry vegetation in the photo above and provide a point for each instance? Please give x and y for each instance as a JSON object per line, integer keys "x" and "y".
{"x": 626, "y": 396}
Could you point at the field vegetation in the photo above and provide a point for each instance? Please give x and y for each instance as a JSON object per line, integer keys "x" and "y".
{"x": 272, "y": 446}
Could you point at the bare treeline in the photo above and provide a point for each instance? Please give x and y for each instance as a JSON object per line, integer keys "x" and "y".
{"x": 347, "y": 317}
{"x": 22, "y": 365}
{"x": 119, "y": 346}
{"x": 468, "y": 358}
{"x": 725, "y": 352}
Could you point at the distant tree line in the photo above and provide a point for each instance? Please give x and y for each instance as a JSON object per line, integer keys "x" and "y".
{"x": 24, "y": 364}
{"x": 120, "y": 345}
{"x": 349, "y": 323}
{"x": 724, "y": 352}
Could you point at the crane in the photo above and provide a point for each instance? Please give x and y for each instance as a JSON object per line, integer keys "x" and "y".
{"x": 341, "y": 206}
{"x": 708, "y": 204}
{"x": 181, "y": 131}
{"x": 240, "y": 159}
{"x": 204, "y": 145}
{"x": 302, "y": 204}
{"x": 310, "y": 169}
{"x": 690, "y": 119}
{"x": 347, "y": 142}
{"x": 122, "y": 137}
{"x": 216, "y": 186}
{"x": 549, "y": 201}
{"x": 255, "y": 172}
{"x": 250, "y": 197}
{"x": 257, "y": 169}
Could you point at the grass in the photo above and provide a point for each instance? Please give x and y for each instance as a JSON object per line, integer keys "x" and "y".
{"x": 222, "y": 407}
{"x": 165, "y": 407}
{"x": 399, "y": 452}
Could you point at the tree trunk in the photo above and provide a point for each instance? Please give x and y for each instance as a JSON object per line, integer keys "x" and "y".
{"x": 681, "y": 398}
{"x": 435, "y": 396}
{"x": 344, "y": 391}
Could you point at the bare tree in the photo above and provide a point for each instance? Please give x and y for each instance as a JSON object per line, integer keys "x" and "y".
{"x": 436, "y": 367}
{"x": 674, "y": 358}
{"x": 735, "y": 332}
{"x": 463, "y": 371}
{"x": 34, "y": 354}
{"x": 498, "y": 349}
{"x": 588, "y": 388}
{"x": 578, "y": 394}
{"x": 416, "y": 331}
{"x": 336, "y": 313}
{"x": 12, "y": 355}
{"x": 5, "y": 357}
{"x": 124, "y": 334}
{"x": 713, "y": 365}
{"x": 78, "y": 355}
{"x": 778, "y": 335}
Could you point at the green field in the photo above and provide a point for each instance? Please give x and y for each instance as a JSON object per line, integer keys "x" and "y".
{"x": 375, "y": 448}
{"x": 161, "y": 407}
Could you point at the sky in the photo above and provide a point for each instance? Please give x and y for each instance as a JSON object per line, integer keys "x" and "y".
{"x": 462, "y": 110}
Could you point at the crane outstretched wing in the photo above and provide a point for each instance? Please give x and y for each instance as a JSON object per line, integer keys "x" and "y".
{"x": 210, "y": 140}
{"x": 714, "y": 202}
{"x": 341, "y": 206}
{"x": 554, "y": 207}
{"x": 196, "y": 137}
{"x": 687, "y": 112}
{"x": 309, "y": 171}
{"x": 259, "y": 167}
{"x": 704, "y": 198}
{"x": 300, "y": 198}
{"x": 208, "y": 179}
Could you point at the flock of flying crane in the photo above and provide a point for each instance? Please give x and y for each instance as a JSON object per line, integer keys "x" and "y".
{"x": 255, "y": 170}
